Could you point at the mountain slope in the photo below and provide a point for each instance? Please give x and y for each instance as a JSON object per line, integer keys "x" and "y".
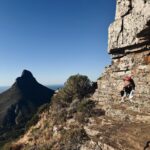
{"x": 21, "y": 101}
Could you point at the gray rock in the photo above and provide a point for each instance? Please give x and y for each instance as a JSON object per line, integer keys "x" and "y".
{"x": 131, "y": 27}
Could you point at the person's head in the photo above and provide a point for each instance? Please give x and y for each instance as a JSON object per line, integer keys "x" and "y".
{"x": 127, "y": 80}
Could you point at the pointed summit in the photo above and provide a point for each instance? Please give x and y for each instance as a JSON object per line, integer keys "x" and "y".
{"x": 26, "y": 73}
{"x": 26, "y": 79}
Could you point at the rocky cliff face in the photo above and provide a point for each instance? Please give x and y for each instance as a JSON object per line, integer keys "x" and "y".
{"x": 129, "y": 45}
{"x": 109, "y": 124}
{"x": 131, "y": 29}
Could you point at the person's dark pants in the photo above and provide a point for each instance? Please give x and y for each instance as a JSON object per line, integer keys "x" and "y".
{"x": 122, "y": 93}
{"x": 127, "y": 91}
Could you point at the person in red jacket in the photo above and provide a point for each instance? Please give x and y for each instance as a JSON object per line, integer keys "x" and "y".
{"x": 128, "y": 89}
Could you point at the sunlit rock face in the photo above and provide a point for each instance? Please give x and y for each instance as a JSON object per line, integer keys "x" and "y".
{"x": 131, "y": 29}
{"x": 129, "y": 46}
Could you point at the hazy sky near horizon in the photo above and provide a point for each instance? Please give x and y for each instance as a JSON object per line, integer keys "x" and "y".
{"x": 54, "y": 38}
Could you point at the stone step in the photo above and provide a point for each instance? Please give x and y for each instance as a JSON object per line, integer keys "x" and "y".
{"x": 126, "y": 112}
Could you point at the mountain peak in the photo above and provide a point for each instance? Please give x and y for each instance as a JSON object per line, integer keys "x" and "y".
{"x": 26, "y": 78}
{"x": 26, "y": 73}
{"x": 22, "y": 100}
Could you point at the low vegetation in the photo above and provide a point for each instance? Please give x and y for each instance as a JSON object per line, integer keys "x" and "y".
{"x": 72, "y": 102}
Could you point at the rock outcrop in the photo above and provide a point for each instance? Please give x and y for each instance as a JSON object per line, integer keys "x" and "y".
{"x": 129, "y": 45}
{"x": 131, "y": 29}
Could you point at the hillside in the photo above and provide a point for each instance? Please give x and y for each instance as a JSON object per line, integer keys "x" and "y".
{"x": 20, "y": 102}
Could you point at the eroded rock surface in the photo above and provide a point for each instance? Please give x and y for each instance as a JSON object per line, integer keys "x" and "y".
{"x": 131, "y": 27}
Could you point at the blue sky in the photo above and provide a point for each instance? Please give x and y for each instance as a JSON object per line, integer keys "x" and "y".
{"x": 54, "y": 38}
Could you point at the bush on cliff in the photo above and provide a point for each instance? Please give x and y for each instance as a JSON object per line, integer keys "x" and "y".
{"x": 77, "y": 86}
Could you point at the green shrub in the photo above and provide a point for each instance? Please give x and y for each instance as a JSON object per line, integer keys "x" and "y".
{"x": 77, "y": 86}
{"x": 86, "y": 106}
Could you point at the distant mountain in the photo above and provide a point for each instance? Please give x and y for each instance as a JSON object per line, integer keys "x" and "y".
{"x": 53, "y": 87}
{"x": 21, "y": 101}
